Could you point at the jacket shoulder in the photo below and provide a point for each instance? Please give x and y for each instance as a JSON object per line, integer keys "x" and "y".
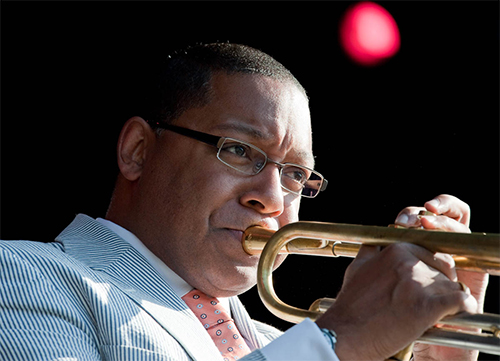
{"x": 41, "y": 260}
{"x": 30, "y": 249}
{"x": 38, "y": 288}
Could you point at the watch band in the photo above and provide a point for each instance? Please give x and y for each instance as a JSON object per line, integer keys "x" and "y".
{"x": 331, "y": 337}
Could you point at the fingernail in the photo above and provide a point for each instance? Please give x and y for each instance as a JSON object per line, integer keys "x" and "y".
{"x": 402, "y": 219}
{"x": 434, "y": 202}
{"x": 431, "y": 219}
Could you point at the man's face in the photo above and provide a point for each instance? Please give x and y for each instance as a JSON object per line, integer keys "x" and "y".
{"x": 192, "y": 209}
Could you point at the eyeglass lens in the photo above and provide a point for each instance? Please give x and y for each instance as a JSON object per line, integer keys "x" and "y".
{"x": 250, "y": 160}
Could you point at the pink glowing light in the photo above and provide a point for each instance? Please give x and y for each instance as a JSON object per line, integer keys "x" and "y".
{"x": 369, "y": 34}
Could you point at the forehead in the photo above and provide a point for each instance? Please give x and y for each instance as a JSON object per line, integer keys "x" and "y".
{"x": 269, "y": 113}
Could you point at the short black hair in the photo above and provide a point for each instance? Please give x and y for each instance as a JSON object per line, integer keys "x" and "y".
{"x": 185, "y": 77}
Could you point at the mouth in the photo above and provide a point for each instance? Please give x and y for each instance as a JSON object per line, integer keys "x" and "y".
{"x": 254, "y": 242}
{"x": 233, "y": 247}
{"x": 236, "y": 234}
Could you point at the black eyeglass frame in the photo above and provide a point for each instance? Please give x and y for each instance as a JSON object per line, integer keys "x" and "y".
{"x": 217, "y": 142}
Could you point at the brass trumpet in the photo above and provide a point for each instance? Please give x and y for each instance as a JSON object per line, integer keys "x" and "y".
{"x": 472, "y": 251}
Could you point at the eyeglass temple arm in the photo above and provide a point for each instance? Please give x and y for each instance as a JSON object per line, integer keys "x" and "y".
{"x": 202, "y": 137}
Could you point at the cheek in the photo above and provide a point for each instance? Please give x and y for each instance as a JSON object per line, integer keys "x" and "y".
{"x": 190, "y": 173}
{"x": 173, "y": 189}
{"x": 291, "y": 211}
{"x": 195, "y": 192}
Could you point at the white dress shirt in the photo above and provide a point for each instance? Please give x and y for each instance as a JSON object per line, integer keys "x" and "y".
{"x": 304, "y": 341}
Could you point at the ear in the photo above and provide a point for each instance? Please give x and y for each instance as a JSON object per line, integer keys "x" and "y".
{"x": 134, "y": 144}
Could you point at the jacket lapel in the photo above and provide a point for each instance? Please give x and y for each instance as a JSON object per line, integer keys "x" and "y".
{"x": 121, "y": 265}
{"x": 245, "y": 324}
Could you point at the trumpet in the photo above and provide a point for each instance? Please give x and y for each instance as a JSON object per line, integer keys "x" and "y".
{"x": 478, "y": 252}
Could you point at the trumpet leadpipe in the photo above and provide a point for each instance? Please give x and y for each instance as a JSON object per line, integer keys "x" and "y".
{"x": 255, "y": 238}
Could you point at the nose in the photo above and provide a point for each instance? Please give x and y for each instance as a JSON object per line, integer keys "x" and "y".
{"x": 265, "y": 194}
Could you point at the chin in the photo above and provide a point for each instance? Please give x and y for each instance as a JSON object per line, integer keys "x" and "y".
{"x": 233, "y": 283}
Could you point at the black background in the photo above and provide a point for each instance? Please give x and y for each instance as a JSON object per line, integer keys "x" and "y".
{"x": 424, "y": 123}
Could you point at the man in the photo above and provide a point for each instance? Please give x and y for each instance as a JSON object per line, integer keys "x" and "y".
{"x": 226, "y": 144}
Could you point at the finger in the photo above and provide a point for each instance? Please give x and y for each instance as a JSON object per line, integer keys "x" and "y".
{"x": 442, "y": 286}
{"x": 446, "y": 265}
{"x": 453, "y": 296}
{"x": 443, "y": 223}
{"x": 408, "y": 217}
{"x": 463, "y": 287}
{"x": 457, "y": 301}
{"x": 450, "y": 206}
{"x": 477, "y": 282}
{"x": 444, "y": 293}
{"x": 440, "y": 262}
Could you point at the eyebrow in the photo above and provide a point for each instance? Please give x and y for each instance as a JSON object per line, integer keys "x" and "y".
{"x": 245, "y": 129}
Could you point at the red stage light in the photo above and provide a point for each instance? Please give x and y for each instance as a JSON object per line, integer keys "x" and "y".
{"x": 369, "y": 34}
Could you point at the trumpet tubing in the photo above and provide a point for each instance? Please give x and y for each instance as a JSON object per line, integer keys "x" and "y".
{"x": 471, "y": 251}
{"x": 476, "y": 259}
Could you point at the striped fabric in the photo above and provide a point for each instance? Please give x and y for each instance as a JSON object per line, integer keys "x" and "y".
{"x": 91, "y": 296}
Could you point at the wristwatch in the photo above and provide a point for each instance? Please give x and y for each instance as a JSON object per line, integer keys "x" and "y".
{"x": 331, "y": 337}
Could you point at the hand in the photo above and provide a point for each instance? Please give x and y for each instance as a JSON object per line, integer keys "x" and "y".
{"x": 453, "y": 215}
{"x": 390, "y": 297}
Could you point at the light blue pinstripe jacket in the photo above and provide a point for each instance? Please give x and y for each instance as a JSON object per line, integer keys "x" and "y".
{"x": 91, "y": 296}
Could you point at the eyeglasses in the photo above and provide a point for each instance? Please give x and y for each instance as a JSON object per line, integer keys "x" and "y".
{"x": 248, "y": 159}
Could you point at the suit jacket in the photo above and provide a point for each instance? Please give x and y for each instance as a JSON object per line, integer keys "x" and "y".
{"x": 90, "y": 295}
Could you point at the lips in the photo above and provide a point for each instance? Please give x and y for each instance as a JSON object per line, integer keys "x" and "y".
{"x": 237, "y": 234}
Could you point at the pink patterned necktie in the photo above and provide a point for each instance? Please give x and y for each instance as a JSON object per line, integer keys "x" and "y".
{"x": 219, "y": 325}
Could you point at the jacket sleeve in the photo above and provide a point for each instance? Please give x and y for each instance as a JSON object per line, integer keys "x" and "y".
{"x": 37, "y": 320}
